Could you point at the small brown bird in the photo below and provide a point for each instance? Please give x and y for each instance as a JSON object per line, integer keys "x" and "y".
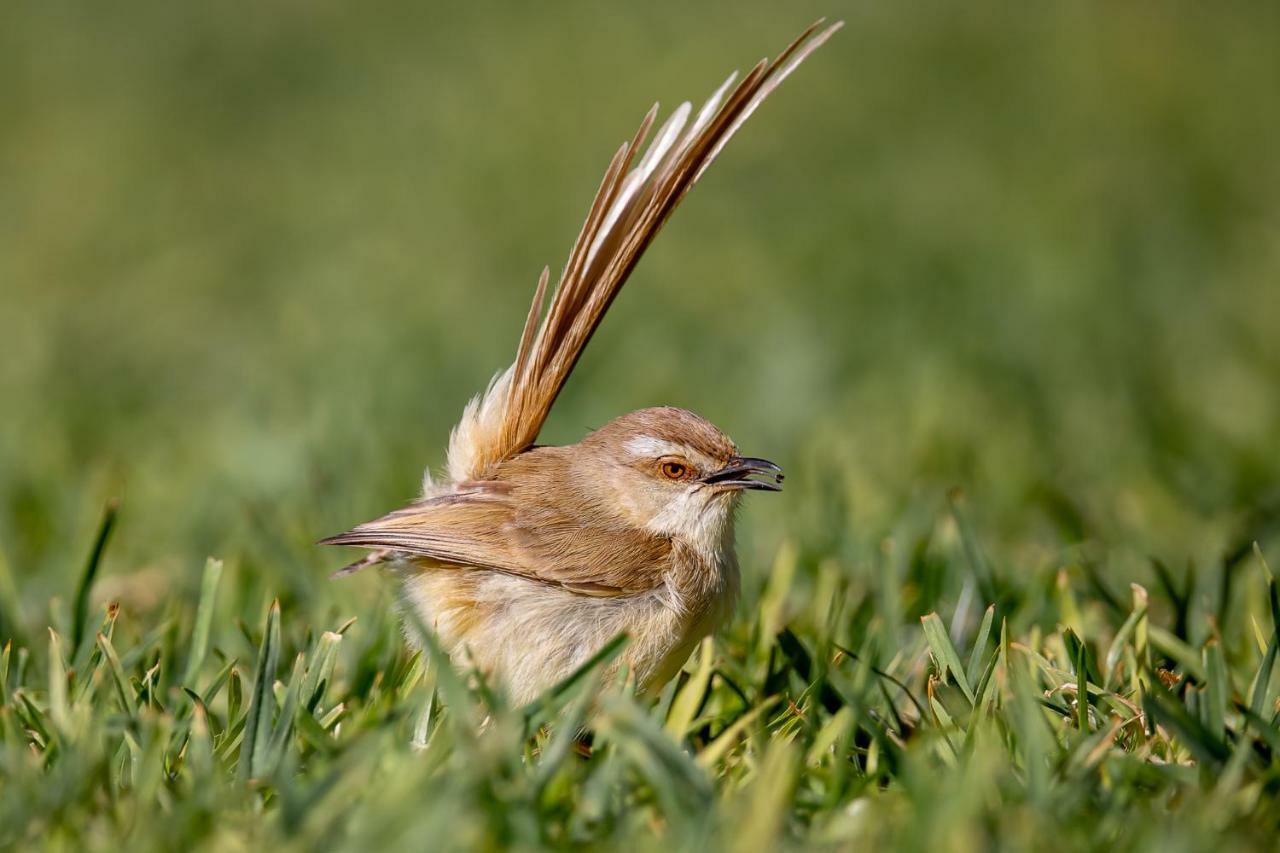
{"x": 526, "y": 560}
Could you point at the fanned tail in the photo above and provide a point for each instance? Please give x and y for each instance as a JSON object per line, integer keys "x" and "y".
{"x": 628, "y": 211}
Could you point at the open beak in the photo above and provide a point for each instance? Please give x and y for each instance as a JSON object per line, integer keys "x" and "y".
{"x": 747, "y": 472}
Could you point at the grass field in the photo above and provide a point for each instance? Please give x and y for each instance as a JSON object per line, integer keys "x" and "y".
{"x": 999, "y": 286}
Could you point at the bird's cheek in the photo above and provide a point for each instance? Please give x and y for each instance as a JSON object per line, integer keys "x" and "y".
{"x": 637, "y": 503}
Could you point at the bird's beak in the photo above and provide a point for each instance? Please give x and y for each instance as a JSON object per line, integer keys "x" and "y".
{"x": 738, "y": 473}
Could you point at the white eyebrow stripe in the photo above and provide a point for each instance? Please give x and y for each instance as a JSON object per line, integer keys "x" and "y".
{"x": 647, "y": 446}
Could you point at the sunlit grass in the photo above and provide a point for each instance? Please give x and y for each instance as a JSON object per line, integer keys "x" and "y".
{"x": 1064, "y": 714}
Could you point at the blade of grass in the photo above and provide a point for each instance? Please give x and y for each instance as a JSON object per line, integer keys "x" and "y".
{"x": 80, "y": 613}
{"x": 944, "y": 653}
{"x": 802, "y": 664}
{"x": 1218, "y": 691}
{"x": 1181, "y": 653}
{"x": 124, "y": 692}
{"x": 1269, "y": 732}
{"x": 135, "y": 655}
{"x": 1082, "y": 685}
{"x": 974, "y": 670}
{"x": 316, "y": 734}
{"x": 831, "y": 733}
{"x": 33, "y": 718}
{"x": 689, "y": 699}
{"x": 235, "y": 697}
{"x": 1115, "y": 651}
{"x": 257, "y": 727}
{"x": 219, "y": 681}
{"x": 771, "y": 613}
{"x": 724, "y": 741}
{"x": 449, "y": 683}
{"x": 274, "y": 755}
{"x": 884, "y": 676}
{"x": 767, "y": 799}
{"x": 5, "y": 655}
{"x": 1168, "y": 711}
{"x": 682, "y": 787}
{"x": 204, "y": 619}
{"x": 1260, "y": 691}
{"x": 564, "y": 737}
{"x": 320, "y": 669}
{"x": 11, "y": 627}
{"x": 199, "y": 753}
{"x": 59, "y": 712}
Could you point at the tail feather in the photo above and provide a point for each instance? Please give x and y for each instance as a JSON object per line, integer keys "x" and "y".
{"x": 628, "y": 211}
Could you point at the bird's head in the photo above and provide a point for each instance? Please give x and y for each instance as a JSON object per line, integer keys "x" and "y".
{"x": 675, "y": 474}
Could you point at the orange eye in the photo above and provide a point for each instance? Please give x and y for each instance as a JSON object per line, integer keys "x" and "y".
{"x": 675, "y": 470}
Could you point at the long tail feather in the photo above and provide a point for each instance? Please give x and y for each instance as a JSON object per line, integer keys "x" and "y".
{"x": 628, "y": 211}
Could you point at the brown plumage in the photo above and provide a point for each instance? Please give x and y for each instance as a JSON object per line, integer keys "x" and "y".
{"x": 526, "y": 522}
{"x": 527, "y": 559}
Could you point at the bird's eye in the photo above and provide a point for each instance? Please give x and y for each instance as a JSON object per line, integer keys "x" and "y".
{"x": 675, "y": 470}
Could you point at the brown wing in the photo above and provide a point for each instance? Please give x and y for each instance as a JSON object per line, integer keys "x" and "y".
{"x": 486, "y": 526}
{"x": 628, "y": 211}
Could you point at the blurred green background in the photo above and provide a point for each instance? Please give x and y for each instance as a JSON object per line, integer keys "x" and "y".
{"x": 255, "y": 258}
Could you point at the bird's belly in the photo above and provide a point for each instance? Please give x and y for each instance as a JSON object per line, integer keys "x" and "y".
{"x": 528, "y": 636}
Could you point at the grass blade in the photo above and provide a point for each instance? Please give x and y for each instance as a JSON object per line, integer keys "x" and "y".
{"x": 944, "y": 653}
{"x": 279, "y": 744}
{"x": 257, "y": 726}
{"x": 801, "y": 662}
{"x": 5, "y": 656}
{"x": 59, "y": 710}
{"x": 204, "y": 619}
{"x": 1218, "y": 689}
{"x": 690, "y": 698}
{"x": 320, "y": 669}
{"x": 681, "y": 785}
{"x": 11, "y": 627}
{"x": 1115, "y": 651}
{"x": 124, "y": 691}
{"x": 80, "y": 613}
{"x": 720, "y": 747}
{"x": 974, "y": 670}
{"x": 1166, "y": 710}
{"x": 1260, "y": 693}
{"x": 767, "y": 799}
{"x": 1082, "y": 684}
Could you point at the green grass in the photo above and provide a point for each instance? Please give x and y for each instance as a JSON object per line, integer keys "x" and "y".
{"x": 997, "y": 286}
{"x": 824, "y": 717}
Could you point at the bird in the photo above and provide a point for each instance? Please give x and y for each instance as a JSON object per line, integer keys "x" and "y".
{"x": 525, "y": 560}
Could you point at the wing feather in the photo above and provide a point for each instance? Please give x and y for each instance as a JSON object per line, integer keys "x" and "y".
{"x": 518, "y": 535}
